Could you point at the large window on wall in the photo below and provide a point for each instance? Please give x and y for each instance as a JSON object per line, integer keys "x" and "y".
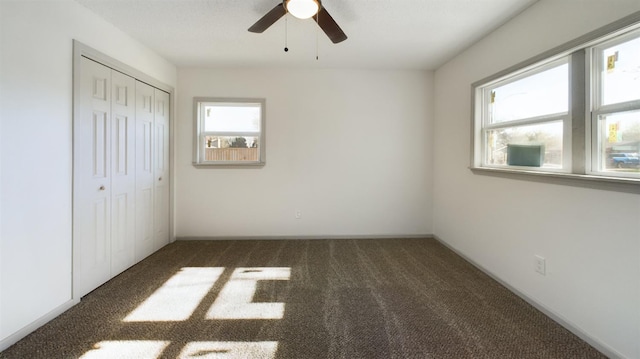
{"x": 574, "y": 111}
{"x": 229, "y": 131}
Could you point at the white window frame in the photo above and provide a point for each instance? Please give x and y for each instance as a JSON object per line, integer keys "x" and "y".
{"x": 200, "y": 135}
{"x": 597, "y": 108}
{"x": 484, "y": 91}
{"x": 580, "y": 169}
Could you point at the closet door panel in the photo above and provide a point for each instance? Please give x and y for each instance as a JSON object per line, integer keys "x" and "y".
{"x": 145, "y": 236}
{"x": 92, "y": 171}
{"x": 161, "y": 168}
{"x": 123, "y": 176}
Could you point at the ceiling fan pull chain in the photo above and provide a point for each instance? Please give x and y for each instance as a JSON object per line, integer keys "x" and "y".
{"x": 286, "y": 33}
{"x": 317, "y": 16}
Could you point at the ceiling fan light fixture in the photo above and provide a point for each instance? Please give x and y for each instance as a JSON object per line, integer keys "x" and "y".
{"x": 302, "y": 9}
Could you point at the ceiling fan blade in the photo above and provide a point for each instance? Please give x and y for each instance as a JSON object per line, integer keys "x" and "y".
{"x": 269, "y": 19}
{"x": 329, "y": 26}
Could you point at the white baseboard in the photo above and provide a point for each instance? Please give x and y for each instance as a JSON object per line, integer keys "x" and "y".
{"x": 15, "y": 337}
{"x": 601, "y": 347}
{"x": 290, "y": 237}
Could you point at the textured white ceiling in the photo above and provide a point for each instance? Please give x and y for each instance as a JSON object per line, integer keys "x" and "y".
{"x": 383, "y": 34}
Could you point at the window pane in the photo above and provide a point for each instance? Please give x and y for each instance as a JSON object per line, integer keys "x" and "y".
{"x": 231, "y": 148}
{"x": 543, "y": 93}
{"x": 231, "y": 141}
{"x": 621, "y": 72}
{"x": 620, "y": 142}
{"x": 232, "y": 117}
{"x": 548, "y": 134}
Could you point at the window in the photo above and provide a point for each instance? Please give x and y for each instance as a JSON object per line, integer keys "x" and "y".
{"x": 526, "y": 114}
{"x": 615, "y": 106}
{"x": 574, "y": 111}
{"x": 229, "y": 131}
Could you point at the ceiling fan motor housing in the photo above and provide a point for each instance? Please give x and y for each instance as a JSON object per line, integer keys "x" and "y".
{"x": 302, "y": 9}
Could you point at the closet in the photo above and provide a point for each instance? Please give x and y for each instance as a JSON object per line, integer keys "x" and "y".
{"x": 121, "y": 173}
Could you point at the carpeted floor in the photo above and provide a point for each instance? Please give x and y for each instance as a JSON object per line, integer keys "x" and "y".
{"x": 407, "y": 298}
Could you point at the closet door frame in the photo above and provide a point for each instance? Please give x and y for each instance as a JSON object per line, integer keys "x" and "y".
{"x": 81, "y": 50}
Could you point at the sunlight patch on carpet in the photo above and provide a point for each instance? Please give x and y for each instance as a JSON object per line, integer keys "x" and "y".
{"x": 122, "y": 349}
{"x": 178, "y": 297}
{"x": 235, "y": 300}
{"x": 229, "y": 350}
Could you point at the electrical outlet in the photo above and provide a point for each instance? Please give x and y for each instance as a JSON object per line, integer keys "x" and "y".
{"x": 298, "y": 214}
{"x": 540, "y": 265}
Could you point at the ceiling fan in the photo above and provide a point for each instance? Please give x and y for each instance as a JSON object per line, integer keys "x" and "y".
{"x": 302, "y": 9}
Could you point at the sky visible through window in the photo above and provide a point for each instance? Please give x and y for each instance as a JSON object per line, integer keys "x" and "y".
{"x": 544, "y": 93}
{"x": 621, "y": 72}
{"x": 232, "y": 118}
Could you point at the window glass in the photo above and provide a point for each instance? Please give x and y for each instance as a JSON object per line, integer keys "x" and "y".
{"x": 548, "y": 135}
{"x": 231, "y": 148}
{"x": 620, "y": 142}
{"x": 232, "y": 117}
{"x": 543, "y": 93}
{"x": 231, "y": 141}
{"x": 620, "y": 73}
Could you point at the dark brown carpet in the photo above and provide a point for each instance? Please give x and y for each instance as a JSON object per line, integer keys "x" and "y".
{"x": 406, "y": 298}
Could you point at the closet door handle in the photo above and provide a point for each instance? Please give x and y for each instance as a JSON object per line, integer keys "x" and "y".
{"x": 159, "y": 178}
{"x": 102, "y": 188}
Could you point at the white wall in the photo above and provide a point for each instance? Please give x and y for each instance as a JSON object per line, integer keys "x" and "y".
{"x": 36, "y": 156}
{"x": 349, "y": 149}
{"x": 590, "y": 238}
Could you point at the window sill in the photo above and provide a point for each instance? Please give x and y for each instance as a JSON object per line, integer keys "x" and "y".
{"x": 229, "y": 164}
{"x": 618, "y": 184}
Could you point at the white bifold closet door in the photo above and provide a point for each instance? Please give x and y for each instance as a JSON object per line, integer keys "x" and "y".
{"x": 121, "y": 192}
{"x": 144, "y": 244}
{"x": 152, "y": 169}
{"x": 161, "y": 168}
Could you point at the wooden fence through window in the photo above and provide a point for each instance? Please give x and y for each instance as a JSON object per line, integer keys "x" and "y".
{"x": 231, "y": 154}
